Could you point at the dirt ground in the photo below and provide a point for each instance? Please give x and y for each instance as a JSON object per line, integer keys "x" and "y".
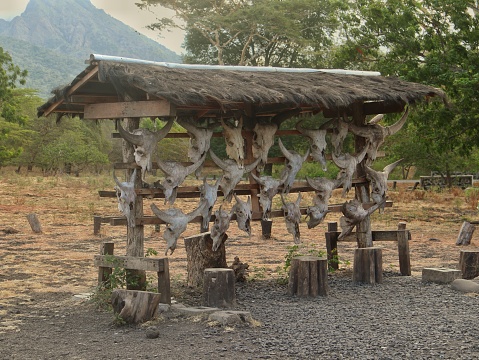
{"x": 41, "y": 275}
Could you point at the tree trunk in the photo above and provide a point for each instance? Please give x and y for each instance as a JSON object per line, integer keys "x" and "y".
{"x": 368, "y": 265}
{"x": 135, "y": 306}
{"x": 465, "y": 234}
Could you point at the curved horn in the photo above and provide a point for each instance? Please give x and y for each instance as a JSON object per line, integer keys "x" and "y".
{"x": 118, "y": 183}
{"x": 258, "y": 179}
{"x": 327, "y": 124}
{"x": 363, "y": 131}
{"x": 285, "y": 151}
{"x": 305, "y": 157}
{"x": 371, "y": 173}
{"x": 394, "y": 128}
{"x": 312, "y": 183}
{"x": 376, "y": 119}
{"x": 339, "y": 162}
{"x": 133, "y": 176}
{"x": 282, "y": 199}
{"x": 298, "y": 200}
{"x": 196, "y": 165}
{"x": 217, "y": 160}
{"x": 302, "y": 130}
{"x": 161, "y": 214}
{"x": 389, "y": 168}
{"x": 197, "y": 212}
{"x": 160, "y": 134}
{"x": 187, "y": 125}
{"x": 248, "y": 168}
{"x": 164, "y": 166}
{"x": 128, "y": 136}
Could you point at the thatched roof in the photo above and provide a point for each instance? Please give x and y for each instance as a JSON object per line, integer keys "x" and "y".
{"x": 216, "y": 91}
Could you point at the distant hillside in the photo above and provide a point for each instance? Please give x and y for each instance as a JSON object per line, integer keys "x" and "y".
{"x": 53, "y": 38}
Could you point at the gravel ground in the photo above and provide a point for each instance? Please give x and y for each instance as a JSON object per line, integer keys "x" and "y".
{"x": 399, "y": 319}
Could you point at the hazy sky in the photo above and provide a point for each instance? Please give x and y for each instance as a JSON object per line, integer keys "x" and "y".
{"x": 124, "y": 10}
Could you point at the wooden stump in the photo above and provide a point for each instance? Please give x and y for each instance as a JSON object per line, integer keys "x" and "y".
{"x": 308, "y": 276}
{"x": 403, "y": 250}
{"x": 332, "y": 244}
{"x": 34, "y": 223}
{"x": 104, "y": 273}
{"x": 135, "y": 306}
{"x": 219, "y": 288}
{"x": 368, "y": 265}
{"x": 266, "y": 226}
{"x": 465, "y": 234}
{"x": 96, "y": 225}
{"x": 469, "y": 263}
{"x": 200, "y": 256}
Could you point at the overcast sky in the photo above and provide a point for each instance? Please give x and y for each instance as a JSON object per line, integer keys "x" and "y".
{"x": 124, "y": 10}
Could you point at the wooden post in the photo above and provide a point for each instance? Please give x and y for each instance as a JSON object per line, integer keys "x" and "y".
{"x": 96, "y": 225}
{"x": 219, "y": 288}
{"x": 164, "y": 283}
{"x": 368, "y": 265}
{"x": 135, "y": 306}
{"x": 332, "y": 244}
{"x": 465, "y": 234}
{"x": 200, "y": 256}
{"x": 34, "y": 223}
{"x": 308, "y": 276}
{"x": 469, "y": 263}
{"x": 403, "y": 249}
{"x": 104, "y": 273}
{"x": 266, "y": 226}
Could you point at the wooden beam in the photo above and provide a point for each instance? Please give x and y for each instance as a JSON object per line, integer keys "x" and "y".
{"x": 130, "y": 109}
{"x": 130, "y": 262}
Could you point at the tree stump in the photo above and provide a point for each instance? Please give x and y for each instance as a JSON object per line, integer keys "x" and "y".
{"x": 200, "y": 256}
{"x": 135, "y": 306}
{"x": 469, "y": 263}
{"x": 219, "y": 288}
{"x": 465, "y": 234}
{"x": 308, "y": 276}
{"x": 368, "y": 265}
{"x": 403, "y": 250}
{"x": 34, "y": 223}
{"x": 266, "y": 226}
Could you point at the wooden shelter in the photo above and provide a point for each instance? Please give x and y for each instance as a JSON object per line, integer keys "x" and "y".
{"x": 122, "y": 88}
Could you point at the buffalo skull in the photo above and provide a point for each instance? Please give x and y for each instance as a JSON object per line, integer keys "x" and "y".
{"x": 220, "y": 226}
{"x": 263, "y": 139}
{"x": 232, "y": 174}
{"x": 317, "y": 140}
{"x": 125, "y": 193}
{"x": 323, "y": 188}
{"x": 144, "y": 142}
{"x": 340, "y": 131}
{"x": 175, "y": 174}
{"x": 379, "y": 184}
{"x": 209, "y": 193}
{"x": 269, "y": 188}
{"x": 347, "y": 163}
{"x": 294, "y": 162}
{"x": 292, "y": 217}
{"x": 244, "y": 214}
{"x": 354, "y": 213}
{"x": 176, "y": 222}
{"x": 234, "y": 141}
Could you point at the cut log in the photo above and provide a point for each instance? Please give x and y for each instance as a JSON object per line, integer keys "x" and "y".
{"x": 219, "y": 288}
{"x": 104, "y": 273}
{"x": 308, "y": 276}
{"x": 332, "y": 244}
{"x": 403, "y": 250}
{"x": 34, "y": 223}
{"x": 200, "y": 256}
{"x": 465, "y": 234}
{"x": 266, "y": 226}
{"x": 135, "y": 306}
{"x": 469, "y": 263}
{"x": 368, "y": 265}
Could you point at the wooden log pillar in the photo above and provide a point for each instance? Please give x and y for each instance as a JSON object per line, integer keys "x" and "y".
{"x": 104, "y": 273}
{"x": 96, "y": 225}
{"x": 34, "y": 223}
{"x": 368, "y": 265}
{"x": 135, "y": 306}
{"x": 332, "y": 244}
{"x": 403, "y": 250}
{"x": 200, "y": 256}
{"x": 465, "y": 234}
{"x": 266, "y": 226}
{"x": 219, "y": 288}
{"x": 135, "y": 238}
{"x": 164, "y": 282}
{"x": 308, "y": 276}
{"x": 469, "y": 263}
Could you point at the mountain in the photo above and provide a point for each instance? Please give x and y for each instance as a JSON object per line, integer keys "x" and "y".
{"x": 53, "y": 38}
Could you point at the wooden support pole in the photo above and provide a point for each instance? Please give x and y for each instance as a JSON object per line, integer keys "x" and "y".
{"x": 200, "y": 256}
{"x": 332, "y": 244}
{"x": 34, "y": 223}
{"x": 96, "y": 225}
{"x": 469, "y": 263}
{"x": 266, "y": 226}
{"x": 219, "y": 288}
{"x": 368, "y": 265}
{"x": 403, "y": 249}
{"x": 308, "y": 276}
{"x": 164, "y": 283}
{"x": 104, "y": 273}
{"x": 465, "y": 234}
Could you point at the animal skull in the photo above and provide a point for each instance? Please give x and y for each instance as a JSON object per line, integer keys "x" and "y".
{"x": 269, "y": 188}
{"x": 176, "y": 222}
{"x": 379, "y": 184}
{"x": 221, "y": 225}
{"x": 232, "y": 174}
{"x": 294, "y": 161}
{"x": 125, "y": 193}
{"x": 292, "y": 217}
{"x": 243, "y": 213}
{"x": 200, "y": 139}
{"x": 354, "y": 213}
{"x": 347, "y": 163}
{"x": 376, "y": 134}
{"x": 234, "y": 142}
{"x": 317, "y": 139}
{"x": 175, "y": 174}
{"x": 339, "y": 134}
{"x": 263, "y": 139}
{"x": 323, "y": 188}
{"x": 209, "y": 193}
{"x": 144, "y": 142}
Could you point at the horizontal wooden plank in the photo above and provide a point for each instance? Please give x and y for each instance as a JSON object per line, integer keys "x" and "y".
{"x": 130, "y": 262}
{"x": 118, "y": 110}
{"x": 377, "y": 235}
